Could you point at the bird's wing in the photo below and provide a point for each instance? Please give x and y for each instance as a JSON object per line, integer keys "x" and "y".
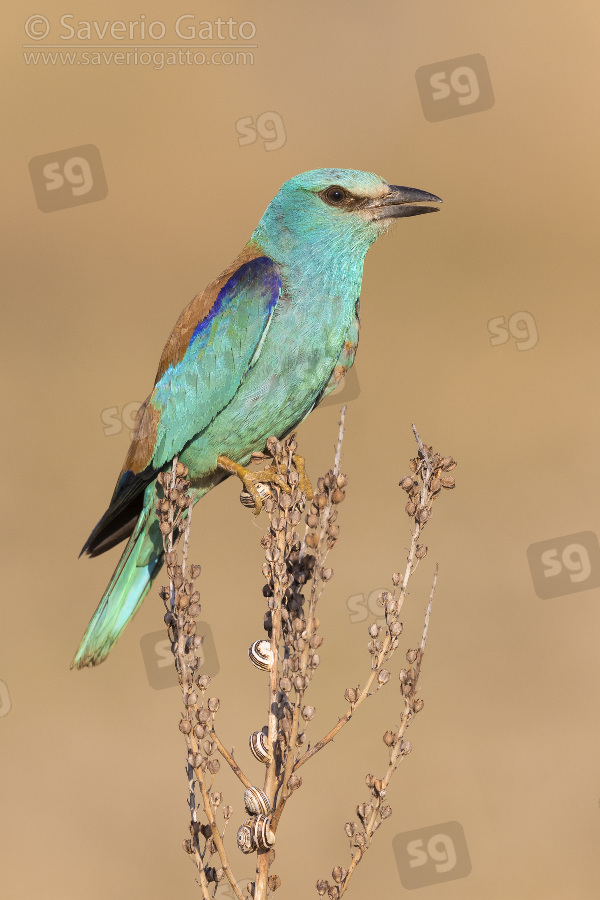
{"x": 221, "y": 349}
{"x": 215, "y": 341}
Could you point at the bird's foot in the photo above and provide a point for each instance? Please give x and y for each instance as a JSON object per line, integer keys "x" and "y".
{"x": 250, "y": 480}
{"x": 304, "y": 481}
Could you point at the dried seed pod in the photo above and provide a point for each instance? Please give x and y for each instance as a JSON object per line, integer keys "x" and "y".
{"x": 383, "y": 677}
{"x": 261, "y": 655}
{"x": 256, "y": 802}
{"x": 418, "y": 705}
{"x": 406, "y": 483}
{"x": 337, "y": 874}
{"x": 259, "y": 747}
{"x": 274, "y": 882}
{"x": 390, "y": 738}
{"x": 385, "y": 812}
{"x": 322, "y": 887}
{"x": 294, "y": 782}
{"x": 338, "y": 495}
{"x": 405, "y": 747}
{"x": 447, "y": 481}
{"x": 411, "y": 656}
{"x": 350, "y": 828}
{"x": 350, "y": 695}
{"x": 364, "y": 810}
{"x": 264, "y": 492}
{"x": 308, "y": 713}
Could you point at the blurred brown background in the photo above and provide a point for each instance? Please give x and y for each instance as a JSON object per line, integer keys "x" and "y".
{"x": 92, "y": 780}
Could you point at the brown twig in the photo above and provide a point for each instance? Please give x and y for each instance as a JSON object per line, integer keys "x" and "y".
{"x": 292, "y": 627}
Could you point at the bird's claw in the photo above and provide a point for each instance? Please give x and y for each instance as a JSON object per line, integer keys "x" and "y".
{"x": 250, "y": 479}
{"x": 303, "y": 479}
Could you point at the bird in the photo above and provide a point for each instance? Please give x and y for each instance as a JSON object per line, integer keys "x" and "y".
{"x": 249, "y": 357}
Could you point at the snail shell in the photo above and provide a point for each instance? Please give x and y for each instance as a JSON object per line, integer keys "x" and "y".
{"x": 245, "y": 840}
{"x": 261, "y": 655}
{"x": 256, "y": 802}
{"x": 255, "y": 834}
{"x": 246, "y": 498}
{"x": 259, "y": 747}
{"x": 262, "y": 836}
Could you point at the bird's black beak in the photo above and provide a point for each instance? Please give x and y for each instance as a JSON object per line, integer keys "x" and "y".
{"x": 401, "y": 201}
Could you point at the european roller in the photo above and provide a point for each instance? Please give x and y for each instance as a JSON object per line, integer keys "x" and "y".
{"x": 249, "y": 357}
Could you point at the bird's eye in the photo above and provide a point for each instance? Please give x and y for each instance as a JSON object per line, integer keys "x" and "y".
{"x": 335, "y": 196}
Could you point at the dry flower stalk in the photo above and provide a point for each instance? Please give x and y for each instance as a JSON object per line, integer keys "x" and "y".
{"x": 295, "y": 574}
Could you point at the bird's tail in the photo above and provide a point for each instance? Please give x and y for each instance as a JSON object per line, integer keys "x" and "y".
{"x": 140, "y": 563}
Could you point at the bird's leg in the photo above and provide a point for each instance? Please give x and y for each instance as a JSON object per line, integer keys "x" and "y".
{"x": 304, "y": 481}
{"x": 251, "y": 479}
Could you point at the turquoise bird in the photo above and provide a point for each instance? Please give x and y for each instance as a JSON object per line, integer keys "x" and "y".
{"x": 249, "y": 357}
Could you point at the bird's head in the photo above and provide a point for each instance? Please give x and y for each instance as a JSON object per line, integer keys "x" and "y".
{"x": 338, "y": 210}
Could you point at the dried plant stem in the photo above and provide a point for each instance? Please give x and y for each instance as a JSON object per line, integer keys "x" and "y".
{"x": 229, "y": 759}
{"x": 175, "y": 511}
{"x": 384, "y": 654}
{"x": 290, "y": 655}
{"x": 396, "y": 755}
